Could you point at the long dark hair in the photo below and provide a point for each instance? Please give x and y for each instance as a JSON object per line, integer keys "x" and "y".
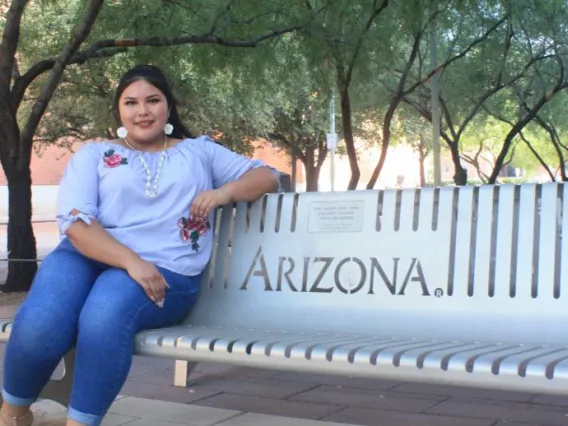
{"x": 156, "y": 78}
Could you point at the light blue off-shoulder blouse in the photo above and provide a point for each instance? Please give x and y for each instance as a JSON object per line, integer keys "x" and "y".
{"x": 107, "y": 182}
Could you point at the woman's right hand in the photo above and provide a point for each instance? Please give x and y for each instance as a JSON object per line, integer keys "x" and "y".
{"x": 149, "y": 278}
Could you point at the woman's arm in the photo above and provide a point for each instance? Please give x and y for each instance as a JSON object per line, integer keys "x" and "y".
{"x": 251, "y": 185}
{"x": 235, "y": 179}
{"x": 96, "y": 243}
{"x": 93, "y": 241}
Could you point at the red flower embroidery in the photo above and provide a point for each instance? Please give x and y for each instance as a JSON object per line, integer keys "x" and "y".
{"x": 191, "y": 229}
{"x": 113, "y": 160}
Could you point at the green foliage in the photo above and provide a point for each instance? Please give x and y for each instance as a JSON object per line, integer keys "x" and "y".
{"x": 240, "y": 94}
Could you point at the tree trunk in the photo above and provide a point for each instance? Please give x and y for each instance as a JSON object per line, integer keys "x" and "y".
{"x": 422, "y": 160}
{"x": 21, "y": 240}
{"x": 422, "y": 155}
{"x": 348, "y": 135}
{"x": 460, "y": 175}
{"x": 312, "y": 179}
{"x": 312, "y": 170}
{"x": 386, "y": 142}
{"x": 294, "y": 165}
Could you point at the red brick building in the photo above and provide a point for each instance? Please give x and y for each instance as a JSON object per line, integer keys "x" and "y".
{"x": 48, "y": 166}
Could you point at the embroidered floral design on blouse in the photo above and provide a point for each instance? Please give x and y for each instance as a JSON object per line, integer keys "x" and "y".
{"x": 113, "y": 160}
{"x": 192, "y": 229}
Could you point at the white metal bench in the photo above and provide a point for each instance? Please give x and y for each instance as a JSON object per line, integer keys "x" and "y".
{"x": 464, "y": 286}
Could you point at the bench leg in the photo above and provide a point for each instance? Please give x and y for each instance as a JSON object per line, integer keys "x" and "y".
{"x": 182, "y": 370}
{"x": 59, "y": 390}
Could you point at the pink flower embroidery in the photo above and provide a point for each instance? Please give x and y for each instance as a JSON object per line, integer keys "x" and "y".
{"x": 191, "y": 229}
{"x": 112, "y": 160}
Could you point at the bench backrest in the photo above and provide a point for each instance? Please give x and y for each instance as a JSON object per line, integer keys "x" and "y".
{"x": 475, "y": 263}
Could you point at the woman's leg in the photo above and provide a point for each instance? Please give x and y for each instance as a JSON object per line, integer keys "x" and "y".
{"x": 45, "y": 327}
{"x": 115, "y": 310}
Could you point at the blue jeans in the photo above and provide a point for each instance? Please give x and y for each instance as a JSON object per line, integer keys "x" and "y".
{"x": 77, "y": 301}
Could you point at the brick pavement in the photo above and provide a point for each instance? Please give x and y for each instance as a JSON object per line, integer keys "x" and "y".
{"x": 344, "y": 400}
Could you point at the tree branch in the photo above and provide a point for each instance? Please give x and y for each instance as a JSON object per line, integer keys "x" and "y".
{"x": 111, "y": 47}
{"x": 448, "y": 116}
{"x": 9, "y": 43}
{"x": 8, "y": 48}
{"x": 22, "y": 83}
{"x": 519, "y": 125}
{"x": 49, "y": 87}
{"x": 283, "y": 140}
{"x": 509, "y": 38}
{"x": 555, "y": 142}
{"x": 428, "y": 116}
{"x": 376, "y": 12}
{"x": 456, "y": 57}
{"x": 226, "y": 9}
{"x": 538, "y": 157}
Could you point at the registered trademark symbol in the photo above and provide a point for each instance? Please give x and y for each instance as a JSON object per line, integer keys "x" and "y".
{"x": 438, "y": 292}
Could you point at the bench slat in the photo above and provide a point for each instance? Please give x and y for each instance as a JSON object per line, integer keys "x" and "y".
{"x": 547, "y": 244}
{"x": 483, "y": 236}
{"x": 505, "y": 241}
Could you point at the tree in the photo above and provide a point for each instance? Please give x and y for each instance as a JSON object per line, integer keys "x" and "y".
{"x": 414, "y": 68}
{"x": 301, "y": 132}
{"x": 340, "y": 41}
{"x": 216, "y": 21}
{"x": 515, "y": 65}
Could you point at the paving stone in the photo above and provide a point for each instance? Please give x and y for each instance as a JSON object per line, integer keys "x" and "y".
{"x": 462, "y": 392}
{"x": 154, "y": 422}
{"x": 157, "y": 377}
{"x": 253, "y": 419}
{"x": 368, "y": 399}
{"x": 275, "y": 407}
{"x": 242, "y": 372}
{"x": 171, "y": 412}
{"x": 145, "y": 365}
{"x": 208, "y": 368}
{"x": 157, "y": 363}
{"x": 252, "y": 387}
{"x": 350, "y": 382}
{"x": 561, "y": 401}
{"x": 50, "y": 413}
{"x": 510, "y": 411}
{"x": 368, "y": 417}
{"x": 505, "y": 423}
{"x": 112, "y": 419}
{"x": 166, "y": 393}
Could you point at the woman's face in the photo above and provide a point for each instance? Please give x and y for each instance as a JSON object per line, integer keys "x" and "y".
{"x": 143, "y": 111}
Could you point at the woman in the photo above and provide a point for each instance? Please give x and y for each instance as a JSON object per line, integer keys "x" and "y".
{"x": 136, "y": 214}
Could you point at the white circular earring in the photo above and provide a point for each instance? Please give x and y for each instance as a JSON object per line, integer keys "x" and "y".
{"x": 121, "y": 132}
{"x": 168, "y": 129}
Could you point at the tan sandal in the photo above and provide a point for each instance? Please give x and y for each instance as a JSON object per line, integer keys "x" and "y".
{"x": 25, "y": 420}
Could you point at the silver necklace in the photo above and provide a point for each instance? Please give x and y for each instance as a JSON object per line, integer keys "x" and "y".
{"x": 149, "y": 193}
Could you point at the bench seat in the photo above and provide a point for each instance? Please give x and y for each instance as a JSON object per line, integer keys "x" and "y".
{"x": 531, "y": 368}
{"x": 520, "y": 367}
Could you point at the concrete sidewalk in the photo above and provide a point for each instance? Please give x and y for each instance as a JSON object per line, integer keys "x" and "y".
{"x": 132, "y": 411}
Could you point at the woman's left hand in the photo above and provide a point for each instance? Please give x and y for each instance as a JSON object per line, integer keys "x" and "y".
{"x": 206, "y": 201}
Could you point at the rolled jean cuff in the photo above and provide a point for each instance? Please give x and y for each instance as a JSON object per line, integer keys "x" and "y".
{"x": 84, "y": 418}
{"x": 16, "y": 401}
